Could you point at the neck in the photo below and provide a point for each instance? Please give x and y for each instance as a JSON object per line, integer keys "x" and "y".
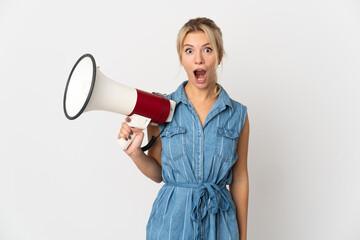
{"x": 200, "y": 95}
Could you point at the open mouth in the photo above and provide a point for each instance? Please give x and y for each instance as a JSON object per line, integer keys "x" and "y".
{"x": 200, "y": 74}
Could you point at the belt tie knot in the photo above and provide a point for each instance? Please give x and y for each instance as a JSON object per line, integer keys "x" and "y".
{"x": 208, "y": 197}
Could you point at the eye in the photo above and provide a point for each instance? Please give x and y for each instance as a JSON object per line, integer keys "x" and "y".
{"x": 188, "y": 50}
{"x": 208, "y": 50}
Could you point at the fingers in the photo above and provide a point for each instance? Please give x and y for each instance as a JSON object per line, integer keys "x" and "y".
{"x": 126, "y": 132}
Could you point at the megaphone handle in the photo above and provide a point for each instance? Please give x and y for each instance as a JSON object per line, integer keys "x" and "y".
{"x": 125, "y": 144}
{"x": 138, "y": 122}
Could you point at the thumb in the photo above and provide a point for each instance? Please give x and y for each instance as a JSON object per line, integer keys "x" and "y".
{"x": 127, "y": 119}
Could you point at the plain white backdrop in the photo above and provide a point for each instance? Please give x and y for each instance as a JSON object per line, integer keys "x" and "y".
{"x": 294, "y": 64}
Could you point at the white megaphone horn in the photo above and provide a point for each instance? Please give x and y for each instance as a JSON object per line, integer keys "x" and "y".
{"x": 88, "y": 89}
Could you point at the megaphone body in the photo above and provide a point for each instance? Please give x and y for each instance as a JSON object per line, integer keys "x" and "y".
{"x": 88, "y": 89}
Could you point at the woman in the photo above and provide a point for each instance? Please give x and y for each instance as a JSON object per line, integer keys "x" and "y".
{"x": 201, "y": 151}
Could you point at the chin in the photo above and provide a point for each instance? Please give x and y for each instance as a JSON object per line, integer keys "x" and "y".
{"x": 203, "y": 84}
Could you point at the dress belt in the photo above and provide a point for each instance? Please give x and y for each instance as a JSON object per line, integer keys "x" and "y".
{"x": 212, "y": 197}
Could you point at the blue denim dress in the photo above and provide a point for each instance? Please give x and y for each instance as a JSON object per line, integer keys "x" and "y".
{"x": 194, "y": 202}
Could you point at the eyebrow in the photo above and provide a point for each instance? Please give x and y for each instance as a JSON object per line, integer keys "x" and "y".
{"x": 189, "y": 45}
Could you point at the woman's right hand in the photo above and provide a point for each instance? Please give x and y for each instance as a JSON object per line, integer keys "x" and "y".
{"x": 127, "y": 132}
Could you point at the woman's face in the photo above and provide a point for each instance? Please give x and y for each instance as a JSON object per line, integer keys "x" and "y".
{"x": 198, "y": 58}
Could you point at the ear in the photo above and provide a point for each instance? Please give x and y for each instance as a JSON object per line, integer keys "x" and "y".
{"x": 220, "y": 58}
{"x": 180, "y": 59}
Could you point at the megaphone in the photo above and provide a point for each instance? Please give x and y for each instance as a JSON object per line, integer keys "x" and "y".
{"x": 88, "y": 89}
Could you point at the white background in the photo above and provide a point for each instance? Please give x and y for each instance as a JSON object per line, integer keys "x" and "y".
{"x": 294, "y": 64}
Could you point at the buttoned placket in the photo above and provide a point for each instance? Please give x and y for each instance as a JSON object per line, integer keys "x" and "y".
{"x": 199, "y": 149}
{"x": 199, "y": 155}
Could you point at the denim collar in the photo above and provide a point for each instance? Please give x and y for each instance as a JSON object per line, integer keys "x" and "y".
{"x": 222, "y": 101}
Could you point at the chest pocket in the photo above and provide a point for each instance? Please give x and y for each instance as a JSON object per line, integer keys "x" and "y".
{"x": 227, "y": 140}
{"x": 173, "y": 142}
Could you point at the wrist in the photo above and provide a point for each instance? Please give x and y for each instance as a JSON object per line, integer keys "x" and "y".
{"x": 136, "y": 154}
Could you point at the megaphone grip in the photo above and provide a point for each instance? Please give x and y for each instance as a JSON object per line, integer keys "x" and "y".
{"x": 135, "y": 121}
{"x": 125, "y": 144}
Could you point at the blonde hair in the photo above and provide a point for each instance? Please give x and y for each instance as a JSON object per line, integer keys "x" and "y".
{"x": 212, "y": 32}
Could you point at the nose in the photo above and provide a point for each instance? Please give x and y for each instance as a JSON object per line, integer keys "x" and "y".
{"x": 199, "y": 58}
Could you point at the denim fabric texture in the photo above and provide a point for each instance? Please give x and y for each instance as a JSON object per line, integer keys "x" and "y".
{"x": 194, "y": 202}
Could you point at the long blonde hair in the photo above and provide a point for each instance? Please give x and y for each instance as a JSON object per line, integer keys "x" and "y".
{"x": 212, "y": 32}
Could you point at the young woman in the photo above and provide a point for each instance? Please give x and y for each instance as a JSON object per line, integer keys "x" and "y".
{"x": 201, "y": 151}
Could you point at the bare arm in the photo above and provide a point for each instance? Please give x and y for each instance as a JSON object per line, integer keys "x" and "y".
{"x": 155, "y": 151}
{"x": 239, "y": 188}
{"x": 149, "y": 165}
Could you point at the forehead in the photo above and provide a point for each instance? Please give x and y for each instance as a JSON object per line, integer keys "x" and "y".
{"x": 196, "y": 38}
